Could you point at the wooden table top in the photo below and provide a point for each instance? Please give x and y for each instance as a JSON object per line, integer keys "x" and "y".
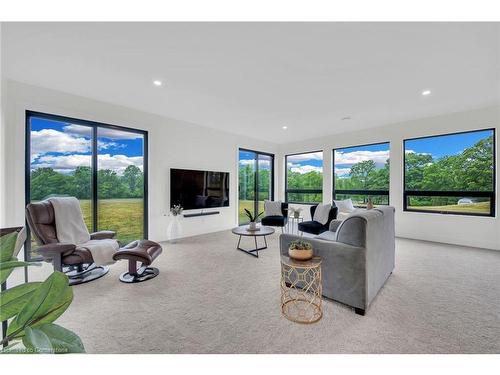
{"x": 262, "y": 231}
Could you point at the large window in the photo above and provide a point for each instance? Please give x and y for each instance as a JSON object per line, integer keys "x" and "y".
{"x": 451, "y": 174}
{"x": 362, "y": 173}
{"x": 304, "y": 178}
{"x": 103, "y": 166}
{"x": 256, "y": 182}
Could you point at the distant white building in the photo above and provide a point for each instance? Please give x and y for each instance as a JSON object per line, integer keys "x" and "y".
{"x": 465, "y": 201}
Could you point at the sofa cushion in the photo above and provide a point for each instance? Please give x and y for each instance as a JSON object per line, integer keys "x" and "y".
{"x": 334, "y": 225}
{"x": 274, "y": 221}
{"x": 344, "y": 205}
{"x": 327, "y": 236}
{"x": 343, "y": 215}
{"x": 322, "y": 213}
{"x": 272, "y": 208}
{"x": 312, "y": 227}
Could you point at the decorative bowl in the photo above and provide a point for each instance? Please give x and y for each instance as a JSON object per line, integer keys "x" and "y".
{"x": 300, "y": 254}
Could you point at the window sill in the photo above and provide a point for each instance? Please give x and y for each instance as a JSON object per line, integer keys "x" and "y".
{"x": 446, "y": 214}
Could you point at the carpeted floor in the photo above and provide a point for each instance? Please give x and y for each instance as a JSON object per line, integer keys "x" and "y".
{"x": 211, "y": 298}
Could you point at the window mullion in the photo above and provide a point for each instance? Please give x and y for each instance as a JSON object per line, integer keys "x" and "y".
{"x": 94, "y": 179}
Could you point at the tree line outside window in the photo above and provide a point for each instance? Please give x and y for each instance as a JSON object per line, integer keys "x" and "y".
{"x": 362, "y": 173}
{"x": 448, "y": 174}
{"x": 451, "y": 173}
{"x": 304, "y": 178}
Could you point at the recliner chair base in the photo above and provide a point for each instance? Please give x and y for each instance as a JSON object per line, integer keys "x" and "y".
{"x": 81, "y": 274}
{"x": 142, "y": 274}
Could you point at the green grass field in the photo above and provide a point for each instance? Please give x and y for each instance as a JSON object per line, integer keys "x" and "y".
{"x": 125, "y": 216}
{"x": 476, "y": 208}
{"x": 242, "y": 218}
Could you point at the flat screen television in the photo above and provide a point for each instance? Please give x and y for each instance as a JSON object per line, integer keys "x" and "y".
{"x": 194, "y": 189}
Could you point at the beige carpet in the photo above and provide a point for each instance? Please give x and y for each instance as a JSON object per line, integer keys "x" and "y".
{"x": 211, "y": 298}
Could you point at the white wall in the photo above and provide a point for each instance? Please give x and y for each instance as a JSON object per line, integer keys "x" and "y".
{"x": 172, "y": 143}
{"x": 2, "y": 136}
{"x": 453, "y": 229}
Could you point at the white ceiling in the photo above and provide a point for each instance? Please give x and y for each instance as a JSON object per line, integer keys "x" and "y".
{"x": 254, "y": 78}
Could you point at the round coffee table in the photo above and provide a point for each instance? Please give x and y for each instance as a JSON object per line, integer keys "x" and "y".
{"x": 301, "y": 289}
{"x": 261, "y": 231}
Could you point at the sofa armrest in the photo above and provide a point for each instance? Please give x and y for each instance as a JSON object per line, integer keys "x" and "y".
{"x": 343, "y": 269}
{"x": 321, "y": 247}
{"x": 50, "y": 250}
{"x": 334, "y": 225}
{"x": 102, "y": 235}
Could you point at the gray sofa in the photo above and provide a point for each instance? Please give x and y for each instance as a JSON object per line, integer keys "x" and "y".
{"x": 357, "y": 256}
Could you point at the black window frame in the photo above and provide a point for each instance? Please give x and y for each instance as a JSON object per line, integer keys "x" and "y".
{"x": 256, "y": 179}
{"x": 93, "y": 125}
{"x": 361, "y": 192}
{"x": 448, "y": 193}
{"x": 302, "y": 191}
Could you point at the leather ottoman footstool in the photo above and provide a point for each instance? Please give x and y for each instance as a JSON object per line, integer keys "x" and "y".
{"x": 143, "y": 251}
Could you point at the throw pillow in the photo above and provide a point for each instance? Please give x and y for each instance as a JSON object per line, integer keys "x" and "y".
{"x": 344, "y": 205}
{"x": 343, "y": 215}
{"x": 272, "y": 208}
{"x": 322, "y": 212}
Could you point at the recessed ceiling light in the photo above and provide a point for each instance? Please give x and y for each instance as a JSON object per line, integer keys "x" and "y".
{"x": 426, "y": 92}
{"x": 284, "y": 127}
{"x": 157, "y": 83}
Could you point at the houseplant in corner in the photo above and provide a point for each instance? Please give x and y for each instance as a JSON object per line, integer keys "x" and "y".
{"x": 253, "y": 219}
{"x": 33, "y": 307}
{"x": 300, "y": 250}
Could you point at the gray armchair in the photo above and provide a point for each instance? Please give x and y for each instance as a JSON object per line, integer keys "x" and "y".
{"x": 358, "y": 256}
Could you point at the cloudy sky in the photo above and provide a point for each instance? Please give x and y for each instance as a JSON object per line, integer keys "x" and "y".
{"x": 304, "y": 163}
{"x": 248, "y": 158}
{"x": 445, "y": 145}
{"x": 345, "y": 158}
{"x": 63, "y": 147}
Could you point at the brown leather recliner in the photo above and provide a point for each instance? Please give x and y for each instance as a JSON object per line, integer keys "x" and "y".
{"x": 76, "y": 262}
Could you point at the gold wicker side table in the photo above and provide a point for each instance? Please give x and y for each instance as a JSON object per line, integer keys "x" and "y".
{"x": 301, "y": 289}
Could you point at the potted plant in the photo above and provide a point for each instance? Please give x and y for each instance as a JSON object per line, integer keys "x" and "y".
{"x": 300, "y": 250}
{"x": 31, "y": 309}
{"x": 253, "y": 219}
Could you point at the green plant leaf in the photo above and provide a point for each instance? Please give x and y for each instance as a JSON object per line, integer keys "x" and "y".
{"x": 4, "y": 274}
{"x": 62, "y": 340}
{"x": 13, "y": 263}
{"x": 46, "y": 304}
{"x": 12, "y": 300}
{"x": 55, "y": 313}
{"x": 6, "y": 268}
{"x": 37, "y": 341}
{"x": 7, "y": 245}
